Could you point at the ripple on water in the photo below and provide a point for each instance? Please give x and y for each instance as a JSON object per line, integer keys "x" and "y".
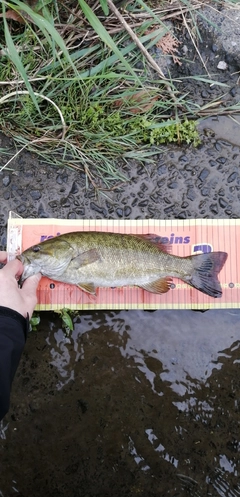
{"x": 150, "y": 401}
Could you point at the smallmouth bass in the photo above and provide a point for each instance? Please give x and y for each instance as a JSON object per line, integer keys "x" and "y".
{"x": 91, "y": 259}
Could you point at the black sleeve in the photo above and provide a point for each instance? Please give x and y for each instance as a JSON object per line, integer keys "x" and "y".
{"x": 13, "y": 334}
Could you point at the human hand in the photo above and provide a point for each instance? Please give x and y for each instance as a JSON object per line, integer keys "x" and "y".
{"x": 22, "y": 300}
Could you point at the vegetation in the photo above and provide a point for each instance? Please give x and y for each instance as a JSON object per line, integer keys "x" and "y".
{"x": 79, "y": 87}
{"x": 66, "y": 316}
{"x": 34, "y": 321}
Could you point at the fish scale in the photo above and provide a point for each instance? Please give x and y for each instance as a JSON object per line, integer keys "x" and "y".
{"x": 92, "y": 259}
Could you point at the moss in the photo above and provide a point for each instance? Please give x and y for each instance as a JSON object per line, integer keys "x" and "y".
{"x": 146, "y": 131}
{"x": 180, "y": 132}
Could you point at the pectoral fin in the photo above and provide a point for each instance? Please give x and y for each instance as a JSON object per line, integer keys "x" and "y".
{"x": 87, "y": 287}
{"x": 159, "y": 286}
{"x": 85, "y": 258}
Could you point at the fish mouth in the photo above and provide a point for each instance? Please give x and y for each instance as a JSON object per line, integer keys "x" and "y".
{"x": 29, "y": 269}
{"x": 22, "y": 277}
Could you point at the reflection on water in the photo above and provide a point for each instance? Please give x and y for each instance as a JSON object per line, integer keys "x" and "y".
{"x": 157, "y": 396}
{"x": 181, "y": 348}
{"x": 3, "y": 429}
{"x": 223, "y": 127}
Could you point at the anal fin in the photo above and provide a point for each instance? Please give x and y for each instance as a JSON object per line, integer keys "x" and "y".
{"x": 87, "y": 287}
{"x": 161, "y": 285}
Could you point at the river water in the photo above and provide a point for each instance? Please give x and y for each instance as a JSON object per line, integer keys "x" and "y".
{"x": 132, "y": 403}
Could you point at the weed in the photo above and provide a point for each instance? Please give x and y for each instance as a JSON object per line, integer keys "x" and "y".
{"x": 34, "y": 321}
{"x": 76, "y": 88}
{"x": 66, "y": 316}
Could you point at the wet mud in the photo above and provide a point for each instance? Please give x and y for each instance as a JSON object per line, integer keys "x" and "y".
{"x": 180, "y": 183}
{"x": 133, "y": 403}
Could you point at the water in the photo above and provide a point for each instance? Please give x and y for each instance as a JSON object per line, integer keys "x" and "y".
{"x": 133, "y": 403}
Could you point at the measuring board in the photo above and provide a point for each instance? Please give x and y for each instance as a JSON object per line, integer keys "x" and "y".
{"x": 185, "y": 237}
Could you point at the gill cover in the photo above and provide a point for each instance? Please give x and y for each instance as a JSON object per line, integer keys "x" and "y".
{"x": 48, "y": 258}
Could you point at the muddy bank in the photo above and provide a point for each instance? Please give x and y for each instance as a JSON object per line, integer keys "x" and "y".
{"x": 181, "y": 183}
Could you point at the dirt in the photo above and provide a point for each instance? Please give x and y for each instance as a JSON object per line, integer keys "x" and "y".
{"x": 133, "y": 403}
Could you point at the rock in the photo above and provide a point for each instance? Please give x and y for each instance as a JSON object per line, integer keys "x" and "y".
{"x": 214, "y": 208}
{"x": 169, "y": 210}
{"x": 127, "y": 211}
{"x": 181, "y": 215}
{"x": 222, "y": 202}
{"x": 96, "y": 207}
{"x": 191, "y": 194}
{"x": 6, "y": 180}
{"x": 6, "y": 195}
{"x": 233, "y": 92}
{"x": 212, "y": 163}
{"x": 218, "y": 147}
{"x": 21, "y": 208}
{"x": 59, "y": 179}
{"x": 143, "y": 203}
{"x": 162, "y": 169}
{"x": 221, "y": 160}
{"x": 183, "y": 158}
{"x": 119, "y": 212}
{"x": 53, "y": 204}
{"x": 74, "y": 188}
{"x": 71, "y": 215}
{"x": 80, "y": 212}
{"x": 222, "y": 65}
{"x": 35, "y": 194}
{"x": 65, "y": 202}
{"x": 214, "y": 48}
{"x": 173, "y": 185}
{"x": 204, "y": 174}
{"x": 41, "y": 212}
{"x": 205, "y": 192}
{"x": 232, "y": 177}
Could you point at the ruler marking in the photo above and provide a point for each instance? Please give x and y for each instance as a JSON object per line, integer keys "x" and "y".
{"x": 222, "y": 234}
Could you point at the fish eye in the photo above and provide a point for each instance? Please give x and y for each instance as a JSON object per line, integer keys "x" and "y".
{"x": 36, "y": 248}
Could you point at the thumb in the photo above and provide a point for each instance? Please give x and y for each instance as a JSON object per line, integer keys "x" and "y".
{"x": 3, "y": 257}
{"x": 13, "y": 268}
{"x": 30, "y": 284}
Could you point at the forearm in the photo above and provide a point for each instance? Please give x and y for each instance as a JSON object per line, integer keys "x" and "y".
{"x": 13, "y": 333}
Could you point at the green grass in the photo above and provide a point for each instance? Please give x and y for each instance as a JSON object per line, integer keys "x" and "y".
{"x": 75, "y": 90}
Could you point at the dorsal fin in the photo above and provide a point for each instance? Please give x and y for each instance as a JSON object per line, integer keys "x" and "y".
{"x": 157, "y": 240}
{"x": 87, "y": 287}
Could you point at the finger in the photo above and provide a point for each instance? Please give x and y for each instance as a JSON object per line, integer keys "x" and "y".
{"x": 30, "y": 284}
{"x": 13, "y": 268}
{"x": 3, "y": 257}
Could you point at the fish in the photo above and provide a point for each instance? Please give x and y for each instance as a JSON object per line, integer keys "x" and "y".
{"x": 92, "y": 259}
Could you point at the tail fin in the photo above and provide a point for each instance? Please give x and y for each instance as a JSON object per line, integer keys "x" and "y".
{"x": 205, "y": 272}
